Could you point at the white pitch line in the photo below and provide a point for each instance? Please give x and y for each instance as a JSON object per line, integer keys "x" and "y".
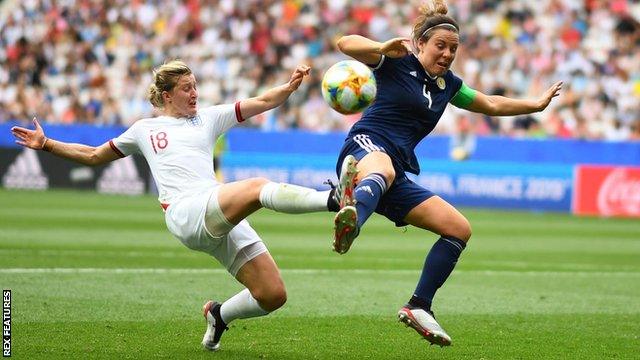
{"x": 32, "y": 252}
{"x": 109, "y": 271}
{"x": 311, "y": 272}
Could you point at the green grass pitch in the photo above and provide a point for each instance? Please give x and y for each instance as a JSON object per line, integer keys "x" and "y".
{"x": 96, "y": 276}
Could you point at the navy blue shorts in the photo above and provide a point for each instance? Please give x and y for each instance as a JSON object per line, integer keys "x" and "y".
{"x": 402, "y": 196}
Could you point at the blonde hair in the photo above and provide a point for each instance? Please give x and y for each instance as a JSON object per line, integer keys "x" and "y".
{"x": 165, "y": 78}
{"x": 433, "y": 14}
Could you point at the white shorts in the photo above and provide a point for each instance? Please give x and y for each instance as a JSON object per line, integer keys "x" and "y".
{"x": 189, "y": 218}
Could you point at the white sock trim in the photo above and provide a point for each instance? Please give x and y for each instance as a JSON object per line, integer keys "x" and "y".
{"x": 378, "y": 179}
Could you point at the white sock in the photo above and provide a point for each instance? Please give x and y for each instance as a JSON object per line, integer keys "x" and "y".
{"x": 293, "y": 199}
{"x": 241, "y": 306}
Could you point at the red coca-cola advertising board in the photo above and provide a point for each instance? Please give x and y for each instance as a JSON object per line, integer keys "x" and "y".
{"x": 607, "y": 191}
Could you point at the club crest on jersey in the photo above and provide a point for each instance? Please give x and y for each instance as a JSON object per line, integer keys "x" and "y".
{"x": 194, "y": 120}
{"x": 441, "y": 83}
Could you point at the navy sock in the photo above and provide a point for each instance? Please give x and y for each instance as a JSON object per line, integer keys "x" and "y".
{"x": 368, "y": 193}
{"x": 437, "y": 267}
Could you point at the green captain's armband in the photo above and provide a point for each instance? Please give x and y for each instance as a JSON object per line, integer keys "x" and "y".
{"x": 464, "y": 97}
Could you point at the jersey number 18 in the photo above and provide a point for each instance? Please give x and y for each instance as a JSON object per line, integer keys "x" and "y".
{"x": 159, "y": 141}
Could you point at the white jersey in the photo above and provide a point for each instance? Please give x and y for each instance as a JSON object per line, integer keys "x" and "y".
{"x": 179, "y": 150}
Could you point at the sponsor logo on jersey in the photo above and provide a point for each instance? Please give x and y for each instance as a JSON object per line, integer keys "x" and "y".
{"x": 25, "y": 172}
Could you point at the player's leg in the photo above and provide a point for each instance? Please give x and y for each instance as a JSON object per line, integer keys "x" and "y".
{"x": 265, "y": 292}
{"x": 345, "y": 221}
{"x": 239, "y": 249}
{"x": 262, "y": 278}
{"x": 374, "y": 172}
{"x": 436, "y": 215}
{"x": 344, "y": 195}
{"x": 239, "y": 199}
{"x": 248, "y": 260}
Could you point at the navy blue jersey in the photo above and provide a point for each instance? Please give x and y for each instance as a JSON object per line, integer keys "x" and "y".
{"x": 408, "y": 106}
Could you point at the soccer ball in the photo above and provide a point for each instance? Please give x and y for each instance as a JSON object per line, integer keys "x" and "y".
{"x": 349, "y": 87}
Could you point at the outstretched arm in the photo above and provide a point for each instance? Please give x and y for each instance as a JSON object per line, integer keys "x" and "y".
{"x": 495, "y": 105}
{"x": 369, "y": 52}
{"x": 88, "y": 155}
{"x": 273, "y": 97}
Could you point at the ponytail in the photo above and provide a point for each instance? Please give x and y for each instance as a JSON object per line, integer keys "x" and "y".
{"x": 433, "y": 15}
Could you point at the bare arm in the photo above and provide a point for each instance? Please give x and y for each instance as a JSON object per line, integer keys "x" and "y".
{"x": 88, "y": 155}
{"x": 273, "y": 97}
{"x": 495, "y": 105}
{"x": 369, "y": 52}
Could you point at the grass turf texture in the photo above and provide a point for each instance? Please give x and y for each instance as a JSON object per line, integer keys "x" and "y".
{"x": 95, "y": 276}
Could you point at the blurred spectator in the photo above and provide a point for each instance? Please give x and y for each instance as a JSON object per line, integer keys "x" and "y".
{"x": 635, "y": 131}
{"x": 463, "y": 140}
{"x": 89, "y": 61}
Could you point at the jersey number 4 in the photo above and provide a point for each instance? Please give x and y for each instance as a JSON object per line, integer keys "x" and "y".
{"x": 159, "y": 141}
{"x": 427, "y": 94}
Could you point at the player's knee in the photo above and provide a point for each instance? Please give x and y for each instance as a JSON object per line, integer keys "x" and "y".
{"x": 460, "y": 229}
{"x": 278, "y": 298}
{"x": 463, "y": 230}
{"x": 389, "y": 175}
{"x": 272, "y": 297}
{"x": 255, "y": 186}
{"x": 467, "y": 234}
{"x": 258, "y": 182}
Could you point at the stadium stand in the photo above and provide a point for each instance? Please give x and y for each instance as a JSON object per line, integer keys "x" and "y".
{"x": 90, "y": 62}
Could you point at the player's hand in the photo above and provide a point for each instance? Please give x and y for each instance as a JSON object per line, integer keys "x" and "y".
{"x": 548, "y": 95}
{"x": 297, "y": 76}
{"x": 396, "y": 47}
{"x": 33, "y": 139}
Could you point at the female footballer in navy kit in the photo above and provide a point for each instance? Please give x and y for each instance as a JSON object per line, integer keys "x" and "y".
{"x": 413, "y": 92}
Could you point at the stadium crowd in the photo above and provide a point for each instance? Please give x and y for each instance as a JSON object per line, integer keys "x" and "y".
{"x": 90, "y": 61}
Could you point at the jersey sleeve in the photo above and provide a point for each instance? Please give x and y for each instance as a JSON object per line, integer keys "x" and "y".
{"x": 127, "y": 143}
{"x": 384, "y": 65}
{"x": 464, "y": 97}
{"x": 379, "y": 64}
{"x": 220, "y": 118}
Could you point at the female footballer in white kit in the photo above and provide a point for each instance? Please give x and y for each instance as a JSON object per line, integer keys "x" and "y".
{"x": 203, "y": 214}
